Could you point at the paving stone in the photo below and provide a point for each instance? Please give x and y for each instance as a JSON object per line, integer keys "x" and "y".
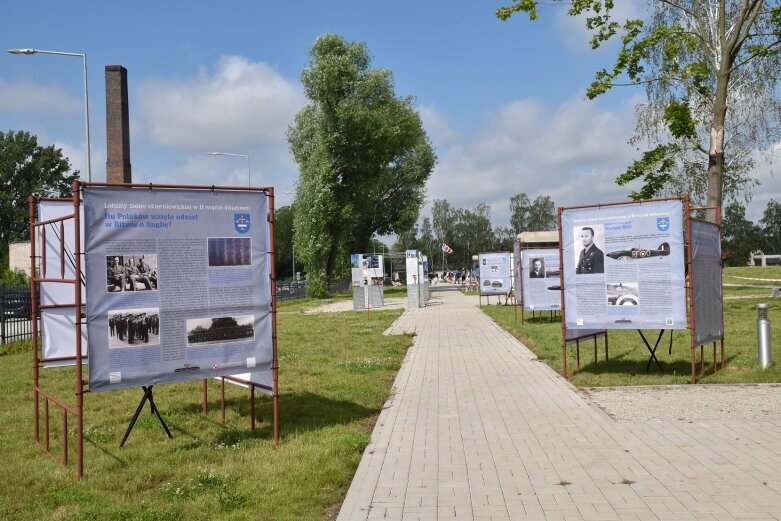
{"x": 477, "y": 429}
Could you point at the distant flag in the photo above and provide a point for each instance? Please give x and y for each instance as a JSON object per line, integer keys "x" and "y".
{"x": 446, "y": 248}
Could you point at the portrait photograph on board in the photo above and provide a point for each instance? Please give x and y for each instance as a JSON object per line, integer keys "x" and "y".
{"x": 589, "y": 253}
{"x": 133, "y": 328}
{"x": 537, "y": 268}
{"x": 137, "y": 272}
{"x": 219, "y": 330}
{"x": 229, "y": 251}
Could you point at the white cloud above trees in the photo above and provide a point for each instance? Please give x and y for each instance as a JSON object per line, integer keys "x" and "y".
{"x": 240, "y": 104}
{"x": 571, "y": 152}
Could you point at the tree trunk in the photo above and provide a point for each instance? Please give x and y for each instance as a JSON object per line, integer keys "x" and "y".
{"x": 715, "y": 174}
{"x": 716, "y": 149}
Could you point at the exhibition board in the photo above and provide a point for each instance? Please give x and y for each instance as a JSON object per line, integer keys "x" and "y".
{"x": 178, "y": 284}
{"x": 367, "y": 276}
{"x": 643, "y": 265}
{"x": 624, "y": 266}
{"x": 706, "y": 282}
{"x": 417, "y": 281}
{"x": 171, "y": 283}
{"x": 539, "y": 282}
{"x": 495, "y": 273}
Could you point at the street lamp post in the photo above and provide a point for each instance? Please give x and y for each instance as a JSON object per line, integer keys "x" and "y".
{"x": 249, "y": 175}
{"x": 86, "y": 92}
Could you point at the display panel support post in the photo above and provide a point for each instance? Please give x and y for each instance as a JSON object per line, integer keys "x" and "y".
{"x": 153, "y": 408}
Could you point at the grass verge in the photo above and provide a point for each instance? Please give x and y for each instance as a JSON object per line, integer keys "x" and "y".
{"x": 628, "y": 355}
{"x": 336, "y": 371}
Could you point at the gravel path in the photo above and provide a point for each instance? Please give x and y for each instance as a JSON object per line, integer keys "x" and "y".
{"x": 688, "y": 402}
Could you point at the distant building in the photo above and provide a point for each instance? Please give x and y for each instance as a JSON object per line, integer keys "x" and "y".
{"x": 19, "y": 256}
{"x": 540, "y": 239}
{"x": 760, "y": 259}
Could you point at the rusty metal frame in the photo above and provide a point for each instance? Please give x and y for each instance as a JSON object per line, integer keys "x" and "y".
{"x": 252, "y": 386}
{"x": 38, "y": 276}
{"x": 690, "y": 288}
{"x": 519, "y": 282}
{"x": 78, "y": 410}
{"x": 43, "y": 267}
{"x": 687, "y": 209}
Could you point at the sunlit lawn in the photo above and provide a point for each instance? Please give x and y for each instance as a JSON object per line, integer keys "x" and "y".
{"x": 336, "y": 372}
{"x": 628, "y": 355}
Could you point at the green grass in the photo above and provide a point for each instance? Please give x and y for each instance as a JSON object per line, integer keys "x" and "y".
{"x": 629, "y": 356}
{"x": 336, "y": 371}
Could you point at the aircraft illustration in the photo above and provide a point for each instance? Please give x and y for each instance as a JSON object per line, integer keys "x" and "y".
{"x": 640, "y": 253}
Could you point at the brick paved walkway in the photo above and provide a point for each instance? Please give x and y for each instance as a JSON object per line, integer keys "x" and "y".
{"x": 478, "y": 429}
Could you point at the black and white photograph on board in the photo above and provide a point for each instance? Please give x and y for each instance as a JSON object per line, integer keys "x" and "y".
{"x": 623, "y": 294}
{"x": 230, "y": 251}
{"x": 589, "y": 257}
{"x": 219, "y": 330}
{"x": 136, "y": 272}
{"x": 133, "y": 327}
{"x": 537, "y": 268}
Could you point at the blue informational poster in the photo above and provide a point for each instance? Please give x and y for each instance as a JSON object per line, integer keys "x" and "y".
{"x": 541, "y": 283}
{"x": 495, "y": 273}
{"x": 178, "y": 285}
{"x": 624, "y": 266}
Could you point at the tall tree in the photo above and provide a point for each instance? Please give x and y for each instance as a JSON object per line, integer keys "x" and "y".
{"x": 534, "y": 216}
{"x": 426, "y": 240}
{"x": 503, "y": 238}
{"x": 363, "y": 155}
{"x": 466, "y": 231}
{"x": 283, "y": 242}
{"x": 739, "y": 236}
{"x": 710, "y": 69}
{"x": 443, "y": 217}
{"x": 27, "y": 168}
{"x": 407, "y": 239}
{"x": 771, "y": 228}
{"x": 519, "y": 212}
{"x": 475, "y": 234}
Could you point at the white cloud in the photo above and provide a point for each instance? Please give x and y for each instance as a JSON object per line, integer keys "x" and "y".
{"x": 769, "y": 177}
{"x": 572, "y": 29}
{"x": 27, "y": 97}
{"x": 77, "y": 155}
{"x": 572, "y": 153}
{"x": 241, "y": 104}
{"x": 437, "y": 126}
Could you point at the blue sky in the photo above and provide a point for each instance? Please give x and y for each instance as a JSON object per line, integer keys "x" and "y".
{"x": 503, "y": 102}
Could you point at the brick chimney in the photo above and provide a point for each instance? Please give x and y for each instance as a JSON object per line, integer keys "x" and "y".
{"x": 117, "y": 126}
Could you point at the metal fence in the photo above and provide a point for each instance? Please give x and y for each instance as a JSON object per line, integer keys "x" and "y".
{"x": 291, "y": 290}
{"x": 16, "y": 306}
{"x": 299, "y": 289}
{"x": 15, "y": 313}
